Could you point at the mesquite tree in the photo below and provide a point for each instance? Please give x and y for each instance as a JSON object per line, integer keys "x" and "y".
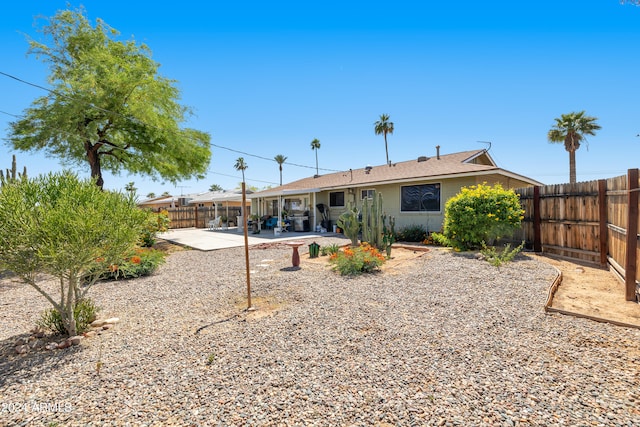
{"x": 109, "y": 107}
{"x": 67, "y": 229}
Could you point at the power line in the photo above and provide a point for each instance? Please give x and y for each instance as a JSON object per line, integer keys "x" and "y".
{"x": 146, "y": 124}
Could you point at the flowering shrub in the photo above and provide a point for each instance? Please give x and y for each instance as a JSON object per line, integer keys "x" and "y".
{"x": 142, "y": 262}
{"x": 156, "y": 223}
{"x": 354, "y": 261}
{"x": 479, "y": 214}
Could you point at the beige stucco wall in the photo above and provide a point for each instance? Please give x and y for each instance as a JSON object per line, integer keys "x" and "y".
{"x": 431, "y": 221}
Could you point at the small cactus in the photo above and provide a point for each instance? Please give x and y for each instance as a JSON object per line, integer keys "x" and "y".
{"x": 12, "y": 174}
{"x": 348, "y": 222}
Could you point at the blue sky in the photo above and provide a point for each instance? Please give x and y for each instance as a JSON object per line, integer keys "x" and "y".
{"x": 266, "y": 78}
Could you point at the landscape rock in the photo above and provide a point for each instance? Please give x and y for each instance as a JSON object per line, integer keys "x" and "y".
{"x": 22, "y": 349}
{"x": 64, "y": 344}
{"x": 51, "y": 346}
{"x": 442, "y": 339}
{"x": 98, "y": 323}
{"x": 76, "y": 339}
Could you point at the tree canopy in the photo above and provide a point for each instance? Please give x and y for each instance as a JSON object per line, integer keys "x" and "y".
{"x": 108, "y": 106}
{"x": 384, "y": 127}
{"x": 571, "y": 129}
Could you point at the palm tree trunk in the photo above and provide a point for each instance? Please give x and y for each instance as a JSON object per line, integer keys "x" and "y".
{"x": 386, "y": 148}
{"x": 572, "y": 167}
{"x": 317, "y": 162}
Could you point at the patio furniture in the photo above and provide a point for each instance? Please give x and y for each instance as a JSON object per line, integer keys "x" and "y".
{"x": 271, "y": 223}
{"x": 214, "y": 224}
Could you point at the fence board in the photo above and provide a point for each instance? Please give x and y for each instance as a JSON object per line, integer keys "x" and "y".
{"x": 587, "y": 221}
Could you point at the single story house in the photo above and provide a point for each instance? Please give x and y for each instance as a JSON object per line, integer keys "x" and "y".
{"x": 414, "y": 191}
{"x": 164, "y": 202}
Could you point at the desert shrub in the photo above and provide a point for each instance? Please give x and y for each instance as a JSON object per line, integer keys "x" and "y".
{"x": 481, "y": 213}
{"x": 438, "y": 239}
{"x": 140, "y": 262}
{"x": 59, "y": 225}
{"x": 156, "y": 223}
{"x": 412, "y": 233}
{"x": 85, "y": 312}
{"x": 330, "y": 249}
{"x": 497, "y": 258}
{"x": 357, "y": 260}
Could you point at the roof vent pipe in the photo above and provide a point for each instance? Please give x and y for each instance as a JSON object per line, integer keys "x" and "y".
{"x": 438, "y": 152}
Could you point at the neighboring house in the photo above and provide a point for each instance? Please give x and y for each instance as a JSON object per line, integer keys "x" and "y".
{"x": 414, "y": 192}
{"x": 164, "y": 202}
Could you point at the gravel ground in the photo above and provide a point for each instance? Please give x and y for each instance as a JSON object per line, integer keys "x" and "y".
{"x": 448, "y": 340}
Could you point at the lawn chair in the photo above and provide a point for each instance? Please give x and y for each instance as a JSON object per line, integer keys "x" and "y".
{"x": 214, "y": 224}
{"x": 270, "y": 223}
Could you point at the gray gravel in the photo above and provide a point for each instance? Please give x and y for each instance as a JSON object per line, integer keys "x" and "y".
{"x": 448, "y": 340}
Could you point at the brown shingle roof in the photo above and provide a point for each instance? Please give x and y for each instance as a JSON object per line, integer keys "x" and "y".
{"x": 449, "y": 164}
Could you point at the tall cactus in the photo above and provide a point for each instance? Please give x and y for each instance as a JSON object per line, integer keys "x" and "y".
{"x": 375, "y": 230}
{"x": 372, "y": 221}
{"x": 13, "y": 174}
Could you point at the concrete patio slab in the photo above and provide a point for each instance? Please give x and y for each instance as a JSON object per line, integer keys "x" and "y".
{"x": 208, "y": 240}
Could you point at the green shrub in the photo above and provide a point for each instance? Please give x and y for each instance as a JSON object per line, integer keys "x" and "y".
{"x": 412, "y": 233}
{"x": 354, "y": 261}
{"x": 156, "y": 223}
{"x": 496, "y": 258}
{"x": 329, "y": 250}
{"x": 85, "y": 312}
{"x": 142, "y": 262}
{"x": 59, "y": 226}
{"x": 481, "y": 213}
{"x": 438, "y": 239}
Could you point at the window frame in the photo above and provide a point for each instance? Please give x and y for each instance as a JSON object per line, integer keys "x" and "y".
{"x": 436, "y": 186}
{"x": 368, "y": 190}
{"x": 336, "y": 205}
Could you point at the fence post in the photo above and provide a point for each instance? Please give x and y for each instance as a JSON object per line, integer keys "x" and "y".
{"x": 195, "y": 220}
{"x": 604, "y": 231}
{"x": 632, "y": 234}
{"x": 537, "y": 238}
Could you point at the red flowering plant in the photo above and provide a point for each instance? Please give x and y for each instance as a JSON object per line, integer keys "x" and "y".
{"x": 140, "y": 262}
{"x": 357, "y": 260}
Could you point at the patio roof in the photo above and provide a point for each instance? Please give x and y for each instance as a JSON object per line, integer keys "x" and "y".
{"x": 219, "y": 196}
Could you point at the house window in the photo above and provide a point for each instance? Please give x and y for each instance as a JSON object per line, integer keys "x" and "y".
{"x": 367, "y": 194}
{"x": 336, "y": 199}
{"x": 420, "y": 198}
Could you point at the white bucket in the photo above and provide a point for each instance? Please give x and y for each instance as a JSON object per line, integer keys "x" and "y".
{"x": 335, "y": 228}
{"x": 277, "y": 231}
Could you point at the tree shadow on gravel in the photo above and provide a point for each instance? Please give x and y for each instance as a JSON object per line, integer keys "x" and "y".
{"x": 21, "y": 367}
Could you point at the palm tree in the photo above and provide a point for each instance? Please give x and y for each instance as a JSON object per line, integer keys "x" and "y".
{"x": 280, "y": 159}
{"x": 571, "y": 129}
{"x": 215, "y": 187}
{"x": 131, "y": 187}
{"x": 384, "y": 126}
{"x": 151, "y": 195}
{"x": 241, "y": 166}
{"x": 315, "y": 145}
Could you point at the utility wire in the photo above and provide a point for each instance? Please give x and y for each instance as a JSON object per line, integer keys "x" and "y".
{"x": 145, "y": 124}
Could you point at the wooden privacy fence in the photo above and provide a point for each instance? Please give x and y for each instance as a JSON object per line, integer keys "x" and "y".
{"x": 198, "y": 217}
{"x": 593, "y": 221}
